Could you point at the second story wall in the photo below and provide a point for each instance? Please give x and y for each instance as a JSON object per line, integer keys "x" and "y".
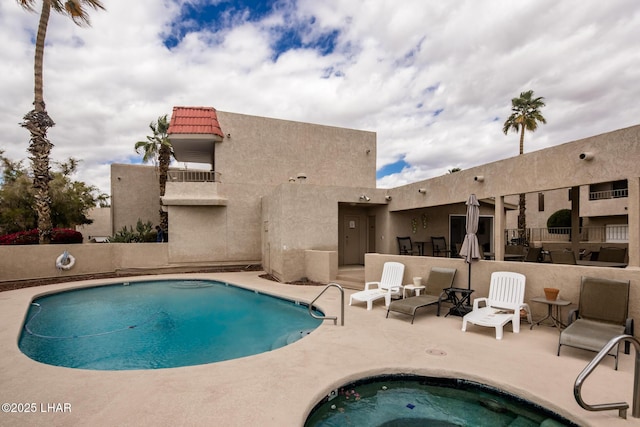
{"x": 269, "y": 151}
{"x": 135, "y": 194}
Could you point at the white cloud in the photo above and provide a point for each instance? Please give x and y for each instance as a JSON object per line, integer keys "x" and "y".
{"x": 394, "y": 66}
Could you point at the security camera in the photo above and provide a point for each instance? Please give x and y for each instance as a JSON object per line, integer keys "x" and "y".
{"x": 479, "y": 178}
{"x": 387, "y": 198}
{"x": 365, "y": 197}
{"x": 586, "y": 156}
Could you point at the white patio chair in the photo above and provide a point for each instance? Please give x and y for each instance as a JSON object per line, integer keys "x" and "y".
{"x": 390, "y": 284}
{"x": 503, "y": 305}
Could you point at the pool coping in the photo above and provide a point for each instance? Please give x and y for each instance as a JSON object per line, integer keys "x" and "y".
{"x": 280, "y": 387}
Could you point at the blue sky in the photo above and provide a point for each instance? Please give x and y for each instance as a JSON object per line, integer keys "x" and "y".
{"x": 214, "y": 16}
{"x": 433, "y": 79}
{"x": 224, "y": 15}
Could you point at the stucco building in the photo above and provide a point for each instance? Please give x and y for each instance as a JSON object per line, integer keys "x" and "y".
{"x": 301, "y": 199}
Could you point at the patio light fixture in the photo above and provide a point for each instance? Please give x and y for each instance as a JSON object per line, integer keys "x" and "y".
{"x": 586, "y": 156}
{"x": 479, "y": 178}
{"x": 422, "y": 190}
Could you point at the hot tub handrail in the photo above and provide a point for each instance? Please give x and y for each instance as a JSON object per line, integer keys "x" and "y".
{"x": 620, "y": 406}
{"x": 334, "y": 318}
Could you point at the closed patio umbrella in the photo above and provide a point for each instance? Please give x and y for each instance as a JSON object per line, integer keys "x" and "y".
{"x": 470, "y": 249}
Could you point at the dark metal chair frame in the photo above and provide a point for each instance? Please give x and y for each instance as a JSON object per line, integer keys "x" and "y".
{"x": 405, "y": 246}
{"x": 439, "y": 245}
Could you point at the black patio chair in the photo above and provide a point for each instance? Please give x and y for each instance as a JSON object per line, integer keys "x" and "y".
{"x": 405, "y": 246}
{"x": 439, "y": 244}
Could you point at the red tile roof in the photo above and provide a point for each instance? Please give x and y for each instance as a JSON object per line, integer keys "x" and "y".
{"x": 194, "y": 120}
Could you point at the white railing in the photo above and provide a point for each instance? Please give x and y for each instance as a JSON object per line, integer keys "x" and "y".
{"x": 193, "y": 176}
{"x": 609, "y": 194}
{"x": 617, "y": 233}
{"x": 608, "y": 233}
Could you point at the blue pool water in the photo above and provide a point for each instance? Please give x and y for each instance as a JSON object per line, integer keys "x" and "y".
{"x": 159, "y": 324}
{"x": 412, "y": 401}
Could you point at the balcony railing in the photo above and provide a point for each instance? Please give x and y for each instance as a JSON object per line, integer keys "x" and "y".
{"x": 608, "y": 233}
{"x": 193, "y": 176}
{"x": 609, "y": 194}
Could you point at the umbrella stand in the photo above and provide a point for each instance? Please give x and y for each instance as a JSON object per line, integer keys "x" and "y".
{"x": 470, "y": 245}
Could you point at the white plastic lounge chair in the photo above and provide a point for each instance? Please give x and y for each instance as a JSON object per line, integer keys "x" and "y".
{"x": 390, "y": 284}
{"x": 506, "y": 299}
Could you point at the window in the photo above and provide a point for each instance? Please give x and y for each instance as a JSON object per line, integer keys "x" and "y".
{"x": 540, "y": 202}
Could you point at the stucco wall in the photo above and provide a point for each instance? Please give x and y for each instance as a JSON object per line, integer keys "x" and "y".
{"x": 101, "y": 226}
{"x": 305, "y": 216}
{"x": 38, "y": 261}
{"x": 321, "y": 266}
{"x": 135, "y": 194}
{"x": 269, "y": 151}
{"x": 615, "y": 158}
{"x": 257, "y": 155}
{"x": 231, "y": 232}
{"x": 300, "y": 217}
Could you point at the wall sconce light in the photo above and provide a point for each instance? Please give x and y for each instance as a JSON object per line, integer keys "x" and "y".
{"x": 365, "y": 198}
{"x": 422, "y": 190}
{"x": 586, "y": 156}
{"x": 479, "y": 178}
{"x": 292, "y": 179}
{"x": 302, "y": 177}
{"x": 387, "y": 198}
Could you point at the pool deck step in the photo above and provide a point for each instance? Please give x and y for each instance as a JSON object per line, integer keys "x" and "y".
{"x": 351, "y": 277}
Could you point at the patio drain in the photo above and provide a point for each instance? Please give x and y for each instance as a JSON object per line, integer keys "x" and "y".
{"x": 436, "y": 352}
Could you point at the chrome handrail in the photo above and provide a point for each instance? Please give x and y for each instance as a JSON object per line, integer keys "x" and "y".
{"x": 334, "y": 318}
{"x": 620, "y": 406}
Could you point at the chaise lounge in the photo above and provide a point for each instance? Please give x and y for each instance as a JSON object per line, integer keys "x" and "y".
{"x": 506, "y": 299}
{"x": 390, "y": 284}
{"x": 439, "y": 278}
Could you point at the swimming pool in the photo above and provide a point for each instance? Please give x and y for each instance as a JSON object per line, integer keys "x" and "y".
{"x": 159, "y": 324}
{"x": 411, "y": 401}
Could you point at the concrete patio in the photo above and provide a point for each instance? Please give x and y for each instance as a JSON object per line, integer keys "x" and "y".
{"x": 279, "y": 388}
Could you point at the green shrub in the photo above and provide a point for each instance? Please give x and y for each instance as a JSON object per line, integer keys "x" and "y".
{"x": 143, "y": 232}
{"x": 561, "y": 218}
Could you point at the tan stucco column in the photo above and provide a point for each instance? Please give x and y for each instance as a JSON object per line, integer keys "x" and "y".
{"x": 633, "y": 212}
{"x": 498, "y": 228}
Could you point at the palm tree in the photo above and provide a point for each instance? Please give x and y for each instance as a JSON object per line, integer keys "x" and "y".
{"x": 157, "y": 148}
{"x": 525, "y": 115}
{"x": 37, "y": 121}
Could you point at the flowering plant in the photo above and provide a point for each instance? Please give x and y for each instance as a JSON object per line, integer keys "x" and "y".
{"x": 30, "y": 237}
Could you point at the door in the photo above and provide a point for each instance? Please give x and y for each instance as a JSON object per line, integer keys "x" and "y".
{"x": 352, "y": 232}
{"x": 457, "y": 227}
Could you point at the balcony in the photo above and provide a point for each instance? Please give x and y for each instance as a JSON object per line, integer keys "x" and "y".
{"x": 193, "y": 176}
{"x": 617, "y": 233}
{"x": 193, "y": 188}
{"x": 609, "y": 194}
